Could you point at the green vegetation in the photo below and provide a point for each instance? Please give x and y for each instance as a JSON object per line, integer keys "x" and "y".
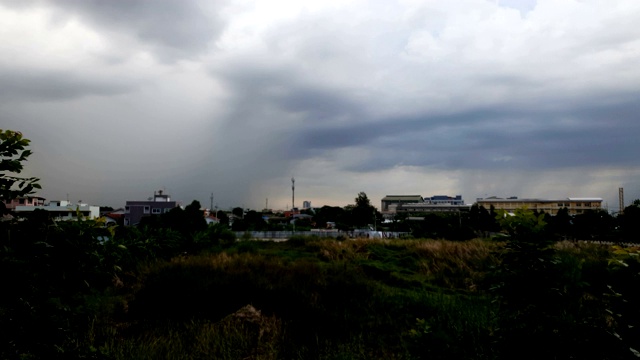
{"x": 175, "y": 288}
{"x": 137, "y": 295}
{"x": 13, "y": 153}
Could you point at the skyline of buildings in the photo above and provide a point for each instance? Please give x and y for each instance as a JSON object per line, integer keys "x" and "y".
{"x": 391, "y": 205}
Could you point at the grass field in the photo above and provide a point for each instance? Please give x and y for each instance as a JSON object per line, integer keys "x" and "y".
{"x": 359, "y": 299}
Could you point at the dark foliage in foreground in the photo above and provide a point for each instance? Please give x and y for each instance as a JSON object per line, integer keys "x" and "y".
{"x": 79, "y": 290}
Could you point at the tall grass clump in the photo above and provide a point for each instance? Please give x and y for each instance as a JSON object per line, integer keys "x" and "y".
{"x": 327, "y": 308}
{"x": 233, "y": 337}
{"x": 461, "y": 265}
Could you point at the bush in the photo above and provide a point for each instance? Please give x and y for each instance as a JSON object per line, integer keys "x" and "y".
{"x": 216, "y": 235}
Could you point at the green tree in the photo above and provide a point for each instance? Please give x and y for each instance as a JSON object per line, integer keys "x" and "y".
{"x": 524, "y": 226}
{"x": 195, "y": 217}
{"x": 255, "y": 221}
{"x": 362, "y": 200}
{"x": 238, "y": 211}
{"x": 222, "y": 217}
{"x": 560, "y": 225}
{"x": 630, "y": 222}
{"x": 13, "y": 153}
{"x": 594, "y": 224}
{"x": 327, "y": 214}
{"x": 443, "y": 226}
{"x": 482, "y": 221}
{"x": 363, "y": 213}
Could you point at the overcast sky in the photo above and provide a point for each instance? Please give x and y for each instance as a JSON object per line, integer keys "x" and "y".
{"x": 473, "y": 97}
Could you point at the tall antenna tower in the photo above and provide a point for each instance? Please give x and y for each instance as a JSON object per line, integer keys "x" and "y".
{"x": 293, "y": 193}
{"x": 621, "y": 199}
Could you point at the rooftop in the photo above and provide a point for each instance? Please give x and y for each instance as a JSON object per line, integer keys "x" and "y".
{"x": 402, "y": 197}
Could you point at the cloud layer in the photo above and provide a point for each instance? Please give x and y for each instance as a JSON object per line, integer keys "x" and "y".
{"x": 474, "y": 97}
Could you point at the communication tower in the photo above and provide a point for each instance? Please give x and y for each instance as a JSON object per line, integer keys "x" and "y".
{"x": 621, "y": 199}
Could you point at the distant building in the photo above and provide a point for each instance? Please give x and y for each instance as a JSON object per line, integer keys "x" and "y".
{"x": 413, "y": 204}
{"x": 390, "y": 202}
{"x": 211, "y": 220}
{"x": 113, "y": 217}
{"x": 291, "y": 213}
{"x": 444, "y": 200}
{"x": 425, "y": 207}
{"x": 134, "y": 211}
{"x": 63, "y": 210}
{"x": 306, "y": 204}
{"x": 24, "y": 201}
{"x": 575, "y": 206}
{"x": 437, "y": 203}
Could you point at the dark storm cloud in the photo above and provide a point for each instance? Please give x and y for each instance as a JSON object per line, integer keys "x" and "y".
{"x": 19, "y": 85}
{"x": 583, "y": 134}
{"x": 347, "y": 91}
{"x": 174, "y": 29}
{"x": 544, "y": 134}
{"x": 285, "y": 87}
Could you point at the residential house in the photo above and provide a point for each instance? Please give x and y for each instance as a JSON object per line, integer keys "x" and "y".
{"x": 24, "y": 201}
{"x": 63, "y": 210}
{"x": 134, "y": 211}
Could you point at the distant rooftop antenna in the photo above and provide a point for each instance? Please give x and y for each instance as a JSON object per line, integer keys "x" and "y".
{"x": 621, "y": 199}
{"x": 293, "y": 193}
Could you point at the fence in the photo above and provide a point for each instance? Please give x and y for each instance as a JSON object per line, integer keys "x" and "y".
{"x": 285, "y": 235}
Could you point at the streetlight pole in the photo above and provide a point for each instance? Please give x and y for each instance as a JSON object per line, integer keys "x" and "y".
{"x": 375, "y": 221}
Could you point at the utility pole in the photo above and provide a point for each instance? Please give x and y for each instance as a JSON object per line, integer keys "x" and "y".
{"x": 293, "y": 194}
{"x": 211, "y": 205}
{"x": 375, "y": 222}
{"x": 293, "y": 203}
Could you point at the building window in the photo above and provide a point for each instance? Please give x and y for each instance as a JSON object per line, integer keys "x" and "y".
{"x": 126, "y": 209}
{"x": 147, "y": 209}
{"x": 167, "y": 210}
{"x": 21, "y": 201}
{"x": 156, "y": 211}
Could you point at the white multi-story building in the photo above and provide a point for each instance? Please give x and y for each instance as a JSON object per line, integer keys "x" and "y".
{"x": 63, "y": 210}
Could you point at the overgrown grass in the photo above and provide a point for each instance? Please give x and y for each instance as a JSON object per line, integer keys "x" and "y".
{"x": 356, "y": 299}
{"x": 321, "y": 298}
